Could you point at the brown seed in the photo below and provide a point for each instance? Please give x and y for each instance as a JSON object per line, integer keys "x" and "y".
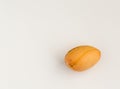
{"x": 82, "y": 58}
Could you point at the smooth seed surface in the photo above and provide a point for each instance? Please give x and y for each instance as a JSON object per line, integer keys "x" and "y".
{"x": 82, "y": 58}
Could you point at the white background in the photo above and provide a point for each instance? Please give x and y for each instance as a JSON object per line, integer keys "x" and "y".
{"x": 36, "y": 34}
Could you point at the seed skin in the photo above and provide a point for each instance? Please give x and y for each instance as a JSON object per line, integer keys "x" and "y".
{"x": 82, "y": 57}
